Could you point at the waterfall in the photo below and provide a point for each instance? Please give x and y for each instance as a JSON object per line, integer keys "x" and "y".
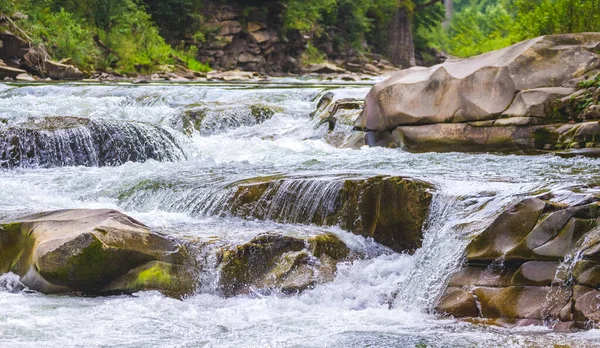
{"x": 453, "y": 219}
{"x": 289, "y": 200}
{"x": 67, "y": 141}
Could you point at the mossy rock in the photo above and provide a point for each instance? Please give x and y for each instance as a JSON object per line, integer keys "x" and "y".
{"x": 272, "y": 262}
{"x": 192, "y": 120}
{"x": 328, "y": 244}
{"x": 263, "y": 112}
{"x": 587, "y": 273}
{"x": 391, "y": 210}
{"x": 241, "y": 266}
{"x": 171, "y": 279}
{"x": 83, "y": 251}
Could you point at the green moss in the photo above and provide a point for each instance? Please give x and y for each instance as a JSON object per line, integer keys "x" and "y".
{"x": 263, "y": 112}
{"x": 543, "y": 137}
{"x": 192, "y": 120}
{"x": 328, "y": 244}
{"x": 85, "y": 267}
{"x": 158, "y": 276}
{"x": 15, "y": 246}
{"x": 593, "y": 82}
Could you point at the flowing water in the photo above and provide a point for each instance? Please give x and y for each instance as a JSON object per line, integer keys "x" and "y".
{"x": 182, "y": 181}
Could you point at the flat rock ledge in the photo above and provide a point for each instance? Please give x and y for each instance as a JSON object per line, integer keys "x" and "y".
{"x": 537, "y": 263}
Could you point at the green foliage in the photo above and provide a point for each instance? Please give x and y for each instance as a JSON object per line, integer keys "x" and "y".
{"x": 542, "y": 17}
{"x": 189, "y": 58}
{"x": 483, "y": 25}
{"x": 63, "y": 36}
{"x": 303, "y": 15}
{"x": 131, "y": 42}
{"x": 312, "y": 55}
{"x": 135, "y": 41}
{"x": 476, "y": 30}
{"x": 593, "y": 82}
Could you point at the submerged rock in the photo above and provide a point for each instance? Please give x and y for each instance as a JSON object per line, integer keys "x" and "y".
{"x": 93, "y": 252}
{"x": 70, "y": 141}
{"x": 498, "y": 101}
{"x": 210, "y": 119}
{"x": 282, "y": 263}
{"x": 536, "y": 261}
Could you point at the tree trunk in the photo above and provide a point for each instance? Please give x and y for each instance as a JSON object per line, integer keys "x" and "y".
{"x": 400, "y": 46}
{"x": 448, "y": 5}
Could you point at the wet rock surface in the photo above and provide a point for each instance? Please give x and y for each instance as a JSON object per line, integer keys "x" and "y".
{"x": 69, "y": 141}
{"x": 536, "y": 261}
{"x": 391, "y": 210}
{"x": 104, "y": 252}
{"x": 272, "y": 262}
{"x": 93, "y": 252}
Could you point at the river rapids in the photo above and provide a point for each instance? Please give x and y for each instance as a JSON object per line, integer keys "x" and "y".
{"x": 176, "y": 179}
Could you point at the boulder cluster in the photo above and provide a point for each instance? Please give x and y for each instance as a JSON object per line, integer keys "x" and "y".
{"x": 256, "y": 41}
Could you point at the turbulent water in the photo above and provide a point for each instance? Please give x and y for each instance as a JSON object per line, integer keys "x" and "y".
{"x": 182, "y": 188}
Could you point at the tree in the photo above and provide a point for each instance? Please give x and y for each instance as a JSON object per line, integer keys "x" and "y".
{"x": 401, "y": 47}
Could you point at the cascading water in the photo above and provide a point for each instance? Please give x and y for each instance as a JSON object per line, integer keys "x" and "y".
{"x": 59, "y": 141}
{"x": 185, "y": 183}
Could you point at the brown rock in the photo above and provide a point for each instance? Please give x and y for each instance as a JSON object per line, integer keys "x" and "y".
{"x": 13, "y": 73}
{"x": 506, "y": 232}
{"x": 540, "y": 273}
{"x": 478, "y": 88}
{"x": 458, "y": 303}
{"x": 253, "y": 26}
{"x": 260, "y": 36}
{"x": 95, "y": 252}
{"x": 230, "y": 28}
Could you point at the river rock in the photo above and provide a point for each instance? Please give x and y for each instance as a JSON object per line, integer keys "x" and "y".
{"x": 9, "y": 72}
{"x": 38, "y": 61}
{"x": 391, "y": 210}
{"x": 230, "y": 28}
{"x": 273, "y": 262}
{"x": 538, "y": 260}
{"x": 497, "y": 101}
{"x": 93, "y": 252}
{"x": 478, "y": 88}
{"x": 325, "y": 68}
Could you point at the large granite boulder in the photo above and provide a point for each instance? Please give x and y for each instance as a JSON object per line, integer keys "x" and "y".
{"x": 492, "y": 102}
{"x": 536, "y": 263}
{"x": 93, "y": 252}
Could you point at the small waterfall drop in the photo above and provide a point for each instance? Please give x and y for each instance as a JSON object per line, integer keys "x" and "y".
{"x": 67, "y": 141}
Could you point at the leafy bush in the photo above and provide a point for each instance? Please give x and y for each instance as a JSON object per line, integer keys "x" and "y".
{"x": 312, "y": 55}
{"x": 63, "y": 36}
{"x": 483, "y": 25}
